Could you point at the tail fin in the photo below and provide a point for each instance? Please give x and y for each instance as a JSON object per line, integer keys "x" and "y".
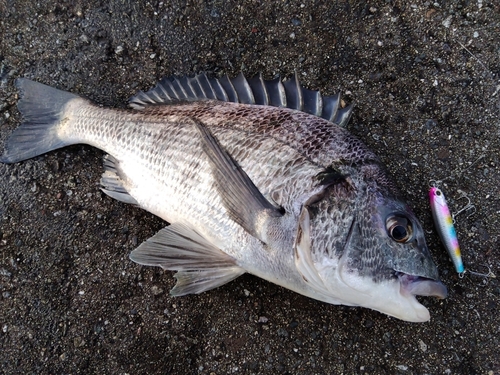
{"x": 42, "y": 108}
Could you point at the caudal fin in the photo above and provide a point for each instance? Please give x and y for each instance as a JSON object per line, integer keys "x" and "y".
{"x": 42, "y": 109}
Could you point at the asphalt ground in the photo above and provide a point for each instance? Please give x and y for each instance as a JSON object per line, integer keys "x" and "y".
{"x": 424, "y": 78}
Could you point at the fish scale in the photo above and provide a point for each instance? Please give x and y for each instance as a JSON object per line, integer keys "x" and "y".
{"x": 163, "y": 164}
{"x": 138, "y": 161}
{"x": 313, "y": 137}
{"x": 282, "y": 193}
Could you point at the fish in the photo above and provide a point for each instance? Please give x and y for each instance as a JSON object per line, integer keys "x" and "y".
{"x": 252, "y": 176}
{"x": 445, "y": 228}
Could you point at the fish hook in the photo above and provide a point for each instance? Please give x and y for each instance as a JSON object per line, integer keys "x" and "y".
{"x": 488, "y": 275}
{"x": 467, "y": 207}
{"x": 436, "y": 183}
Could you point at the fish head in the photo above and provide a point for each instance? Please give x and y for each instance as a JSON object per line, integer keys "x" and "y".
{"x": 361, "y": 245}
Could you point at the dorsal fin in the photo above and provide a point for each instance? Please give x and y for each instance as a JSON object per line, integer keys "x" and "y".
{"x": 256, "y": 90}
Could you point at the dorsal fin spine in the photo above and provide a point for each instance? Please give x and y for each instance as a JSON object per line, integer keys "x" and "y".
{"x": 178, "y": 93}
{"x": 343, "y": 115}
{"x": 145, "y": 98}
{"x": 289, "y": 94}
{"x": 206, "y": 86}
{"x": 276, "y": 92}
{"x": 293, "y": 92}
{"x": 258, "y": 86}
{"x": 245, "y": 94}
{"x": 185, "y": 83}
{"x": 169, "y": 88}
{"x": 180, "y": 89}
{"x": 219, "y": 90}
{"x": 156, "y": 96}
{"x": 199, "y": 87}
{"x": 227, "y": 84}
{"x": 299, "y": 92}
{"x": 164, "y": 92}
{"x": 330, "y": 107}
{"x": 313, "y": 102}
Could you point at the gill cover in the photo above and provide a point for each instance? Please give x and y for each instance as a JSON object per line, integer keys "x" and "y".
{"x": 365, "y": 250}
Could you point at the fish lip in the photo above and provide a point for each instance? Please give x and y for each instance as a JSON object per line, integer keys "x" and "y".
{"x": 421, "y": 286}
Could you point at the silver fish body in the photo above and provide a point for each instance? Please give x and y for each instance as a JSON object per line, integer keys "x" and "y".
{"x": 277, "y": 192}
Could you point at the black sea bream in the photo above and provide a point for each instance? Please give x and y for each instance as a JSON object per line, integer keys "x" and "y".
{"x": 253, "y": 176}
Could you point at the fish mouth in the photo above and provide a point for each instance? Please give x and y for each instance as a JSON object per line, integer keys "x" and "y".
{"x": 421, "y": 286}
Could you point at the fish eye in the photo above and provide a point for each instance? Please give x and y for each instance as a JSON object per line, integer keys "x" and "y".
{"x": 399, "y": 233}
{"x": 399, "y": 228}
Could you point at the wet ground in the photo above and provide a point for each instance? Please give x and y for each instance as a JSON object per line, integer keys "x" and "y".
{"x": 424, "y": 77}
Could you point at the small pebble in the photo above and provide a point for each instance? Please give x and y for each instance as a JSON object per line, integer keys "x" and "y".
{"x": 282, "y": 332}
{"x": 156, "y": 290}
{"x": 78, "y": 342}
{"x": 5, "y": 272}
{"x": 422, "y": 345}
{"x": 447, "y": 22}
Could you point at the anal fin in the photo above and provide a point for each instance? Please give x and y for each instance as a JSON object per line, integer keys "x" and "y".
{"x": 201, "y": 265}
{"x": 112, "y": 181}
{"x": 199, "y": 281}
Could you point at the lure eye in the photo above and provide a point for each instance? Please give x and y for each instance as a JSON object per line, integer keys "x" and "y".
{"x": 399, "y": 228}
{"x": 438, "y": 193}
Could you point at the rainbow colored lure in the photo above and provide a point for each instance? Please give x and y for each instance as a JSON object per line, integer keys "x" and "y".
{"x": 444, "y": 225}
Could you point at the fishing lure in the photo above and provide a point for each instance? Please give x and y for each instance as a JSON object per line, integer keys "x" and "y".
{"x": 444, "y": 225}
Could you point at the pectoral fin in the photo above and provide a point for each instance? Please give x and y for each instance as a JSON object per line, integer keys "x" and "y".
{"x": 201, "y": 265}
{"x": 243, "y": 201}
